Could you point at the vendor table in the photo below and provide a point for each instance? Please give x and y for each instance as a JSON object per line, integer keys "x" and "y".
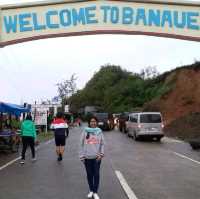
{"x": 9, "y": 140}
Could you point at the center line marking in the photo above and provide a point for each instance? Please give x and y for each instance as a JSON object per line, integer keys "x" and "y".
{"x": 129, "y": 192}
{"x": 182, "y": 156}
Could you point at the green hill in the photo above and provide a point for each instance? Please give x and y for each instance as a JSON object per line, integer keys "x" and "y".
{"x": 114, "y": 89}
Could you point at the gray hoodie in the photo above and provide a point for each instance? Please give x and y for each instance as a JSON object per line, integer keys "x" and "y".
{"x": 93, "y": 146}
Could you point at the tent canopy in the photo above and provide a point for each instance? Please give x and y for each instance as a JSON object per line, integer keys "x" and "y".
{"x": 13, "y": 109}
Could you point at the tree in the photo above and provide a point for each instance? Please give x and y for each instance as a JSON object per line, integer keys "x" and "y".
{"x": 149, "y": 72}
{"x": 114, "y": 89}
{"x": 67, "y": 88}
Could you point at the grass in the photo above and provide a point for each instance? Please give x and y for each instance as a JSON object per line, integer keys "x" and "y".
{"x": 43, "y": 136}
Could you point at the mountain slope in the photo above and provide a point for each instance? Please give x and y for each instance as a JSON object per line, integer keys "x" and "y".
{"x": 181, "y": 105}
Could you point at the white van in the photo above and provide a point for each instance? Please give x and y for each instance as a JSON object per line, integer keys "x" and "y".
{"x": 145, "y": 124}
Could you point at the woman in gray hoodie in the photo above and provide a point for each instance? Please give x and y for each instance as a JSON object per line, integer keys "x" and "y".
{"x": 91, "y": 154}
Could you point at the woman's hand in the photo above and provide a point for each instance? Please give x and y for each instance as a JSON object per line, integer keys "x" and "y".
{"x": 99, "y": 157}
{"x": 82, "y": 159}
{"x": 36, "y": 142}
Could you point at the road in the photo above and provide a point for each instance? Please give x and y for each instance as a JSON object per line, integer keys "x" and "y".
{"x": 150, "y": 170}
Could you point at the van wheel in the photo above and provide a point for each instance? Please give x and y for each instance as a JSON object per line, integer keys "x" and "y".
{"x": 125, "y": 130}
{"x": 158, "y": 139}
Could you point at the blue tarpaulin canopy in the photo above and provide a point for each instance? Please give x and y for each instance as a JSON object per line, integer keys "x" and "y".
{"x": 13, "y": 108}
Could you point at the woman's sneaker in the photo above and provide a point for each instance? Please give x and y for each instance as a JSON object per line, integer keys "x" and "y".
{"x": 34, "y": 160}
{"x": 22, "y": 162}
{"x": 90, "y": 194}
{"x": 95, "y": 196}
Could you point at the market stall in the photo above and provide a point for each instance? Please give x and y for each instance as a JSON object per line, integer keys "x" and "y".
{"x": 10, "y": 125}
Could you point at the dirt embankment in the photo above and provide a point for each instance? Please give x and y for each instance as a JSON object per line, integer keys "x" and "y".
{"x": 181, "y": 105}
{"x": 186, "y": 127}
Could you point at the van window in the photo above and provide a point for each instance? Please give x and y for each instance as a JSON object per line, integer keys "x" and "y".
{"x": 133, "y": 118}
{"x": 150, "y": 118}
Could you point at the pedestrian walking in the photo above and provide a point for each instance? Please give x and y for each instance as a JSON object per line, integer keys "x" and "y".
{"x": 91, "y": 154}
{"x": 78, "y": 121}
{"x": 61, "y": 132}
{"x": 28, "y": 134}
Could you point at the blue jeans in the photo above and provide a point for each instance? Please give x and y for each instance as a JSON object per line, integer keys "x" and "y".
{"x": 92, "y": 167}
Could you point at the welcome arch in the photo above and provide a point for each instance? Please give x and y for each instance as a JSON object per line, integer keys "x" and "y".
{"x": 31, "y": 21}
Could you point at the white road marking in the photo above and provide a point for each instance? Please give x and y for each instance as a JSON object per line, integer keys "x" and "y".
{"x": 185, "y": 157}
{"x": 9, "y": 163}
{"x": 129, "y": 192}
{"x": 18, "y": 158}
{"x": 171, "y": 140}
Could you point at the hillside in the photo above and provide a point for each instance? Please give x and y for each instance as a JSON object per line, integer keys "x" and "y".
{"x": 181, "y": 105}
{"x": 186, "y": 127}
{"x": 112, "y": 89}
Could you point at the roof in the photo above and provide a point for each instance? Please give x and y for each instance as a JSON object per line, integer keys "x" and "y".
{"x": 13, "y": 108}
{"x": 145, "y": 113}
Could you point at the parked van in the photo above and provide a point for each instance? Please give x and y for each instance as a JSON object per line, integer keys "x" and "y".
{"x": 145, "y": 124}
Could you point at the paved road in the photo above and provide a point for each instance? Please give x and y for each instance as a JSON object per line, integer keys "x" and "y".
{"x": 48, "y": 179}
{"x": 152, "y": 170}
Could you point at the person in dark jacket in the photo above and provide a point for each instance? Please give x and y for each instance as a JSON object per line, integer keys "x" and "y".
{"x": 28, "y": 134}
{"x": 61, "y": 131}
{"x": 91, "y": 154}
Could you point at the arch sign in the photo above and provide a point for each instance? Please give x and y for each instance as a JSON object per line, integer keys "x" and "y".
{"x": 25, "y": 22}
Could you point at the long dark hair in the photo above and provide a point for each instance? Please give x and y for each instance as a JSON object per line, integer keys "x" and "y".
{"x": 59, "y": 115}
{"x": 95, "y": 118}
{"x": 29, "y": 117}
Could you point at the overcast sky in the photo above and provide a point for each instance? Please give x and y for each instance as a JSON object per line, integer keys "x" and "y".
{"x": 29, "y": 71}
